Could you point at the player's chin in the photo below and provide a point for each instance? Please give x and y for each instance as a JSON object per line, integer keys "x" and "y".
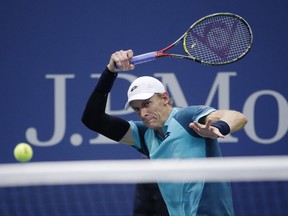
{"x": 152, "y": 125}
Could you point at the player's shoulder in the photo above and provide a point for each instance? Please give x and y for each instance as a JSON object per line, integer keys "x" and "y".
{"x": 193, "y": 110}
{"x": 192, "y": 113}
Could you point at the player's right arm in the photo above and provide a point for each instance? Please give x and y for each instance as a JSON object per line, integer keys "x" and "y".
{"x": 94, "y": 116}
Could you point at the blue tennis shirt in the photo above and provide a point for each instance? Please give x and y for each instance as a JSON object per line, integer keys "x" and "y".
{"x": 180, "y": 141}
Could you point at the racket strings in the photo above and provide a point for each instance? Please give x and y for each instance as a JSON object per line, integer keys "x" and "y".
{"x": 218, "y": 39}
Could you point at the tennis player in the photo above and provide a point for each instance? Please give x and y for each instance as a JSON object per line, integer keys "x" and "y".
{"x": 167, "y": 132}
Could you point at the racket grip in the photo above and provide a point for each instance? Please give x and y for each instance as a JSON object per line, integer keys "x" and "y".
{"x": 139, "y": 59}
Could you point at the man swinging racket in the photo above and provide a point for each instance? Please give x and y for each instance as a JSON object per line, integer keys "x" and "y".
{"x": 166, "y": 132}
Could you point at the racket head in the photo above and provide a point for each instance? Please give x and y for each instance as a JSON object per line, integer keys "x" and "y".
{"x": 218, "y": 39}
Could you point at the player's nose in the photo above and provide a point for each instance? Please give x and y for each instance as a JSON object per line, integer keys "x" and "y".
{"x": 143, "y": 113}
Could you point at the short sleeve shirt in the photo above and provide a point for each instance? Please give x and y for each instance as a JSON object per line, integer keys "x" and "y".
{"x": 181, "y": 142}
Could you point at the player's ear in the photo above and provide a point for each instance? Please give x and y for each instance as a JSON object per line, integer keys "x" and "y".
{"x": 165, "y": 97}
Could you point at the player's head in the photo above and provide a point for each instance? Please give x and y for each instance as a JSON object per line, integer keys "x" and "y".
{"x": 149, "y": 99}
{"x": 143, "y": 88}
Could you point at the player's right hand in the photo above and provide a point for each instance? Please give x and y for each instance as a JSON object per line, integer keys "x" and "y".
{"x": 120, "y": 61}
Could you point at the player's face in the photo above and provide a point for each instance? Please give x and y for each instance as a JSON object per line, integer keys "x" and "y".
{"x": 153, "y": 111}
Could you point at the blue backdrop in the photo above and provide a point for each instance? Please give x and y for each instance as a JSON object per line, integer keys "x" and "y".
{"x": 52, "y": 53}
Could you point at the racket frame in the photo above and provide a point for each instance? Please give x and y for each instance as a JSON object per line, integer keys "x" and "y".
{"x": 162, "y": 53}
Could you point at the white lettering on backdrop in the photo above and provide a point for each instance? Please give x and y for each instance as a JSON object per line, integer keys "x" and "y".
{"x": 221, "y": 85}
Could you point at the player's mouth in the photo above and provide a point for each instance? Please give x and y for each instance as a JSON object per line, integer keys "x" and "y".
{"x": 149, "y": 121}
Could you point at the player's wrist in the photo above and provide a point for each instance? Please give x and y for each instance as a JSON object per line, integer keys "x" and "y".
{"x": 111, "y": 68}
{"x": 222, "y": 126}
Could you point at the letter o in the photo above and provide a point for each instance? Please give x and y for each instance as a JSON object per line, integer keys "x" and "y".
{"x": 249, "y": 108}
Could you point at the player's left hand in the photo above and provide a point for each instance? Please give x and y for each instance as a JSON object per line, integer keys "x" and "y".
{"x": 206, "y": 130}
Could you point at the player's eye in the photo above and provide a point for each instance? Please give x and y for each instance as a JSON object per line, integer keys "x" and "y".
{"x": 135, "y": 109}
{"x": 146, "y": 103}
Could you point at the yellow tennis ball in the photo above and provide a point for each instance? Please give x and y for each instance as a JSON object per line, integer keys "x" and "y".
{"x": 23, "y": 152}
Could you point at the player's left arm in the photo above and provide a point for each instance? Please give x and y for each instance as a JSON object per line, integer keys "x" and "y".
{"x": 219, "y": 123}
{"x": 236, "y": 120}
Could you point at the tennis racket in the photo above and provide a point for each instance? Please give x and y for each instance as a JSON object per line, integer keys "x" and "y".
{"x": 216, "y": 39}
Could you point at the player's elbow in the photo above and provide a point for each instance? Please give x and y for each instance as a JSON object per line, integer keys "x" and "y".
{"x": 240, "y": 122}
{"x": 243, "y": 119}
{"x": 86, "y": 122}
{"x": 246, "y": 120}
{"x": 91, "y": 122}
